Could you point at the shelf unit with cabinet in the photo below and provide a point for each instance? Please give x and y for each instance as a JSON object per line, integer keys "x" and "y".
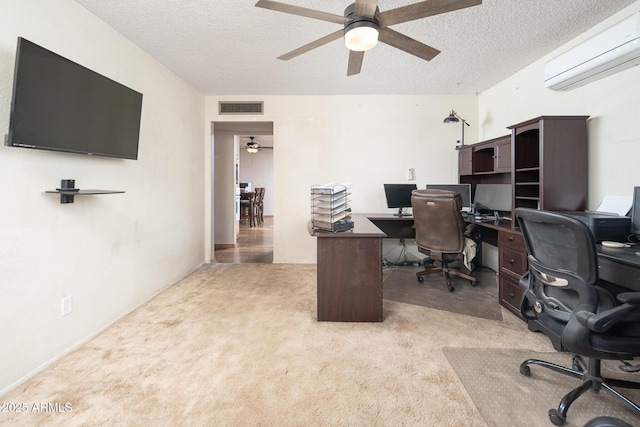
{"x": 550, "y": 163}
{"x": 547, "y": 169}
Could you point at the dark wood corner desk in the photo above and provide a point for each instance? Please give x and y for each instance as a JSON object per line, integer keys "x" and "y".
{"x": 619, "y": 266}
{"x": 402, "y": 227}
{"x": 350, "y": 265}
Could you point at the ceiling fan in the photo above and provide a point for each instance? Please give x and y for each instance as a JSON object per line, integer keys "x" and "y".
{"x": 364, "y": 25}
{"x": 253, "y": 147}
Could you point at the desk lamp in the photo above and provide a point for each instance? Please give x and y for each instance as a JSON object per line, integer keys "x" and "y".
{"x": 455, "y": 118}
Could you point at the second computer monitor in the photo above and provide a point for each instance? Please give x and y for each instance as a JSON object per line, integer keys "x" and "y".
{"x": 463, "y": 189}
{"x": 492, "y": 198}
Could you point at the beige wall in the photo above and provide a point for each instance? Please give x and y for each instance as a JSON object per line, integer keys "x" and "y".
{"x": 368, "y": 140}
{"x": 112, "y": 252}
{"x": 612, "y": 104}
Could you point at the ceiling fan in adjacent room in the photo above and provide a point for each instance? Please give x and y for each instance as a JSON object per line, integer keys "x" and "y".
{"x": 253, "y": 147}
{"x": 364, "y": 25}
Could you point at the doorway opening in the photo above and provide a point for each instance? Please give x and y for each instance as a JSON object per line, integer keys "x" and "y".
{"x": 235, "y": 170}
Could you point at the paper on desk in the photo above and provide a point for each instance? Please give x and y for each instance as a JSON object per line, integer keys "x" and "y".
{"x": 619, "y": 205}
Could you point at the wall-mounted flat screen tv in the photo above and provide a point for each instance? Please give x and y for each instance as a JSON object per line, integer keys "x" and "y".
{"x": 62, "y": 106}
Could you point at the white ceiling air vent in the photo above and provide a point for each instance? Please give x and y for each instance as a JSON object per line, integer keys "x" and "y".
{"x": 241, "y": 107}
{"x": 608, "y": 52}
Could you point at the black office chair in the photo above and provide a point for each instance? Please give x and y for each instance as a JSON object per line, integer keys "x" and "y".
{"x": 439, "y": 232}
{"x": 561, "y": 294}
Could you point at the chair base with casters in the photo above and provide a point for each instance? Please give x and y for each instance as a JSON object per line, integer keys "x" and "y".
{"x": 591, "y": 380}
{"x": 446, "y": 272}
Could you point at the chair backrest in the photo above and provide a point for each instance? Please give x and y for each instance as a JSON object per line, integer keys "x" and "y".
{"x": 562, "y": 274}
{"x": 251, "y": 196}
{"x": 259, "y": 194}
{"x": 438, "y": 221}
{"x": 559, "y": 242}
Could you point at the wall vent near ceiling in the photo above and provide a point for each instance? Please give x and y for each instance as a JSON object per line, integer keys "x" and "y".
{"x": 246, "y": 107}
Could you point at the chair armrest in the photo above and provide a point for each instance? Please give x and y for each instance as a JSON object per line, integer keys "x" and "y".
{"x": 629, "y": 297}
{"x": 602, "y": 322}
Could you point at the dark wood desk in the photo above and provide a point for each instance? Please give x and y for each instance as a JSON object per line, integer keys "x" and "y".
{"x": 394, "y": 226}
{"x": 350, "y": 265}
{"x": 620, "y": 266}
{"x": 402, "y": 227}
{"x": 350, "y": 273}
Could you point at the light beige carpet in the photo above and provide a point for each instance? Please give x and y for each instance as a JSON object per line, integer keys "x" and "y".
{"x": 239, "y": 345}
{"x": 503, "y": 395}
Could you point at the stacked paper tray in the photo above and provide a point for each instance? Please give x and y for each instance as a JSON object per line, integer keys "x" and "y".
{"x": 330, "y": 206}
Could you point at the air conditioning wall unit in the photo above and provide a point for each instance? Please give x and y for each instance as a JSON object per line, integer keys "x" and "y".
{"x": 614, "y": 49}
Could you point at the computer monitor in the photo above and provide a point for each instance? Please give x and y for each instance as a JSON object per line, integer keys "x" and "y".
{"x": 399, "y": 196}
{"x": 492, "y": 198}
{"x": 463, "y": 189}
{"x": 635, "y": 212}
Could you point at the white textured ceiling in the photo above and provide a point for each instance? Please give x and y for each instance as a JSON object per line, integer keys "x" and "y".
{"x": 229, "y": 47}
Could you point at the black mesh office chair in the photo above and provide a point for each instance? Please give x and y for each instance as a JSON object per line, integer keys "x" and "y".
{"x": 562, "y": 295}
{"x": 440, "y": 232}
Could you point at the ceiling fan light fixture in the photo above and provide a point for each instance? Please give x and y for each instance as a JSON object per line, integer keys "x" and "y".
{"x": 364, "y": 24}
{"x": 252, "y": 146}
{"x": 361, "y": 36}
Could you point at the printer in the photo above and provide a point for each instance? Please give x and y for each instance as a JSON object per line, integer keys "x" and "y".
{"x": 604, "y": 226}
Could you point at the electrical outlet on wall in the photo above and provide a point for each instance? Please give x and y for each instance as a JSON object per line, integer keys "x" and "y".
{"x": 410, "y": 174}
{"x": 67, "y": 305}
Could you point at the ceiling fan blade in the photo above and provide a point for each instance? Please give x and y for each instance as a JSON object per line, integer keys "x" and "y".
{"x": 314, "y": 44}
{"x": 422, "y": 10}
{"x": 409, "y": 45}
{"x": 355, "y": 62}
{"x": 301, "y": 11}
{"x": 365, "y": 8}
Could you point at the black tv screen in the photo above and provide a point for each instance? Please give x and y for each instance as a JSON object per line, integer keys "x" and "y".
{"x": 62, "y": 106}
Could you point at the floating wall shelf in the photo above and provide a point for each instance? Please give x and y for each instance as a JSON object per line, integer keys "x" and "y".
{"x": 67, "y": 192}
